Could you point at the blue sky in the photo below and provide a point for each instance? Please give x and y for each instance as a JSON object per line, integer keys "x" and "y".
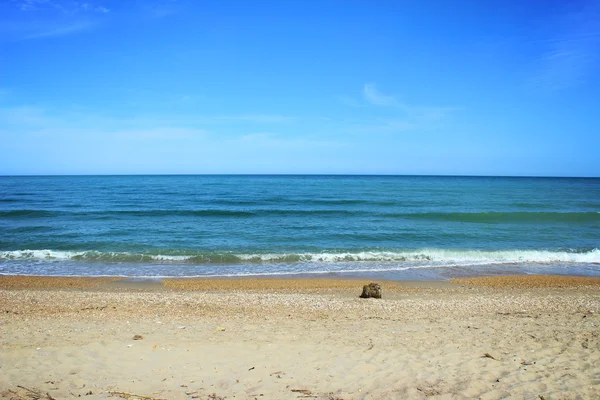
{"x": 367, "y": 87}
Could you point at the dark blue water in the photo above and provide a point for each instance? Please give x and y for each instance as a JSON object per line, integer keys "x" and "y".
{"x": 393, "y": 226}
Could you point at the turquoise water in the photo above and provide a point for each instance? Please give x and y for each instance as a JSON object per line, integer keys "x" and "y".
{"x": 396, "y": 227}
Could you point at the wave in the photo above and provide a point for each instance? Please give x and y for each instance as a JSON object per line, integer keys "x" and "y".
{"x": 10, "y": 200}
{"x": 491, "y": 217}
{"x": 25, "y": 214}
{"x": 508, "y": 217}
{"x": 409, "y": 257}
{"x": 31, "y": 214}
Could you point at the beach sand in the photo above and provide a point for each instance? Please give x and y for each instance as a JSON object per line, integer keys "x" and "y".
{"x": 528, "y": 337}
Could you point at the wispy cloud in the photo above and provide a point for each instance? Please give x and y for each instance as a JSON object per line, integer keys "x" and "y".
{"x": 275, "y": 140}
{"x": 161, "y": 8}
{"x": 215, "y": 119}
{"x": 40, "y": 19}
{"x": 159, "y": 144}
{"x": 66, "y": 7}
{"x": 37, "y": 122}
{"x": 258, "y": 118}
{"x": 40, "y": 120}
{"x": 375, "y": 97}
{"x": 157, "y": 133}
{"x": 397, "y": 115}
{"x": 63, "y": 30}
{"x": 572, "y": 51}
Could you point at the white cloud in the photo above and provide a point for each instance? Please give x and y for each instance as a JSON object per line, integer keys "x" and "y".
{"x": 573, "y": 51}
{"x": 66, "y": 7}
{"x": 274, "y": 140}
{"x": 254, "y": 137}
{"x": 213, "y": 119}
{"x": 29, "y": 5}
{"x": 39, "y": 19}
{"x": 375, "y": 97}
{"x": 67, "y": 29}
{"x": 258, "y": 118}
{"x": 160, "y": 8}
{"x": 401, "y": 116}
{"x": 38, "y": 121}
{"x": 158, "y": 133}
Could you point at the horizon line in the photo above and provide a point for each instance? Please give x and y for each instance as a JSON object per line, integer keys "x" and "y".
{"x": 301, "y": 174}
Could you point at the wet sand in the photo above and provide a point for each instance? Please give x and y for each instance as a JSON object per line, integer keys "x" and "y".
{"x": 525, "y": 337}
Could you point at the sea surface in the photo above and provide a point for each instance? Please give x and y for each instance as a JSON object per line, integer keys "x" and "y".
{"x": 389, "y": 227}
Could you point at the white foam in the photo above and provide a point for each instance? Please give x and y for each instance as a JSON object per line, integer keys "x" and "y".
{"x": 37, "y": 255}
{"x": 413, "y": 257}
{"x": 440, "y": 256}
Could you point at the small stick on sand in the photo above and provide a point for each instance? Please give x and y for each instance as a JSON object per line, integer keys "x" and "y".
{"x": 303, "y": 391}
{"x": 35, "y": 394}
{"x": 29, "y": 390}
{"x": 121, "y": 394}
{"x": 428, "y": 391}
{"x": 488, "y": 355}
{"x": 15, "y": 393}
{"x": 371, "y": 345}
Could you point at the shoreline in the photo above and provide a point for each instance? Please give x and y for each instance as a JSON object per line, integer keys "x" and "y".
{"x": 287, "y": 283}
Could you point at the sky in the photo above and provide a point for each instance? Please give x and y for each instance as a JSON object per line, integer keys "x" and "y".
{"x": 300, "y": 87}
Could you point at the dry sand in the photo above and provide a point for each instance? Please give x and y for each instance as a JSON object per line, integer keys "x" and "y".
{"x": 489, "y": 338}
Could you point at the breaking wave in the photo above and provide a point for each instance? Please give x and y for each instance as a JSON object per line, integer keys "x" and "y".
{"x": 437, "y": 256}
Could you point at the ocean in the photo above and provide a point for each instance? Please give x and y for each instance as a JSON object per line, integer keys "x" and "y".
{"x": 387, "y": 227}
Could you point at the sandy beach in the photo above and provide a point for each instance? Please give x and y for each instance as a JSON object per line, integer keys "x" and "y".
{"x": 526, "y": 337}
